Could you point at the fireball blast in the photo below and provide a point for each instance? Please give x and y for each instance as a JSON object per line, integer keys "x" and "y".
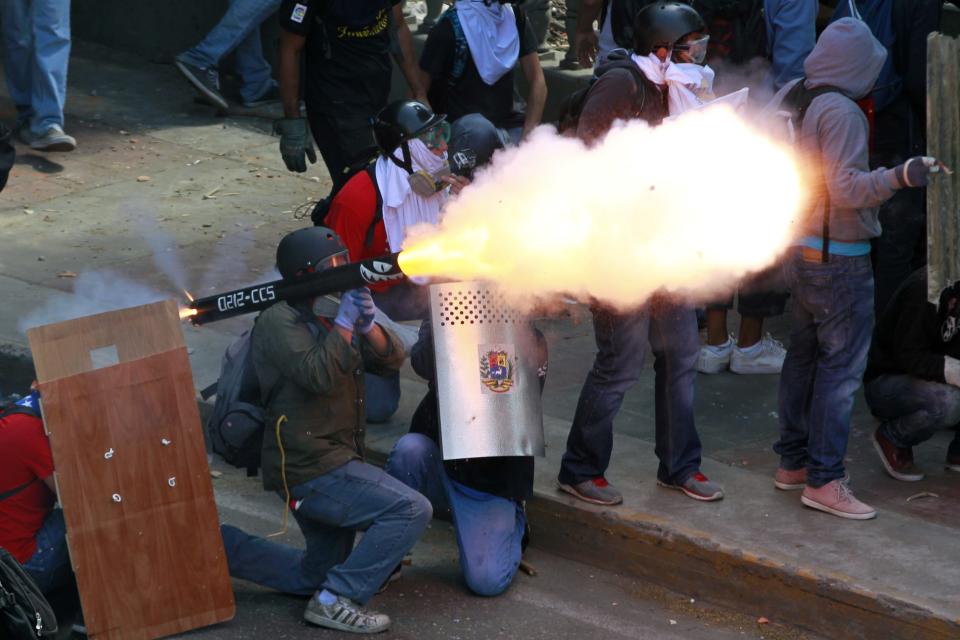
{"x": 259, "y": 297}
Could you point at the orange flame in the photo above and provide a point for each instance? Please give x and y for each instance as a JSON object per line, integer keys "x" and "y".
{"x": 187, "y": 312}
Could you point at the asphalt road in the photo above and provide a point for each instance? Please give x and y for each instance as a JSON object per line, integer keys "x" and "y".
{"x": 564, "y": 600}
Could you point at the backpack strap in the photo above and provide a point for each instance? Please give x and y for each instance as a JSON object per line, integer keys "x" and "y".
{"x": 18, "y": 409}
{"x": 461, "y": 51}
{"x": 801, "y": 98}
{"x": 16, "y": 490}
{"x": 378, "y": 212}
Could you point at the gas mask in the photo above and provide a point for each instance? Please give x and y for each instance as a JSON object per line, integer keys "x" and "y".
{"x": 694, "y": 51}
{"x": 948, "y": 312}
{"x": 426, "y": 184}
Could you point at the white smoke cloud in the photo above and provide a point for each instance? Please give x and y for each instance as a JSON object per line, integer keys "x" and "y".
{"x": 691, "y": 206}
{"x": 93, "y": 292}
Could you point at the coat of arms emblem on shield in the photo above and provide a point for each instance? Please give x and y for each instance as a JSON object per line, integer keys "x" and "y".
{"x": 496, "y": 371}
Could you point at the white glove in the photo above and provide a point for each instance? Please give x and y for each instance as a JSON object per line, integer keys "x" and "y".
{"x": 951, "y": 370}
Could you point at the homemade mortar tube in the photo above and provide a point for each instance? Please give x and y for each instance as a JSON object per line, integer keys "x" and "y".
{"x": 261, "y": 296}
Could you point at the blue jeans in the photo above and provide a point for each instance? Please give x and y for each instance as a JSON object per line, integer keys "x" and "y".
{"x": 49, "y": 566}
{"x": 36, "y": 37}
{"x": 829, "y": 340}
{"x": 330, "y": 510}
{"x": 913, "y": 409}
{"x": 489, "y": 528}
{"x": 621, "y": 344}
{"x": 760, "y": 295}
{"x": 238, "y": 30}
{"x": 382, "y": 395}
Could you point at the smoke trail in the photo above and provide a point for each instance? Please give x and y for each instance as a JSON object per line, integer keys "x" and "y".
{"x": 93, "y": 292}
{"x": 162, "y": 243}
{"x": 691, "y": 205}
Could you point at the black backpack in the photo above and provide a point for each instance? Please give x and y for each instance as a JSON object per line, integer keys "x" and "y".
{"x": 791, "y": 112}
{"x": 572, "y": 106}
{"x": 235, "y": 427}
{"x": 25, "y": 613}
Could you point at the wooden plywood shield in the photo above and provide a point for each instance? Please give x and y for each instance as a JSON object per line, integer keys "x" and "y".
{"x": 131, "y": 470}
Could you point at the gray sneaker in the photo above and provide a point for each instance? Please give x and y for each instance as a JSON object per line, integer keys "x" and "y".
{"x": 698, "y": 487}
{"x": 270, "y": 96}
{"x": 345, "y": 615}
{"x": 206, "y": 80}
{"x": 595, "y": 490}
{"x": 53, "y": 139}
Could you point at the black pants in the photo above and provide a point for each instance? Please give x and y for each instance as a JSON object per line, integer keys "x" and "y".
{"x": 902, "y": 245}
{"x": 345, "y": 141}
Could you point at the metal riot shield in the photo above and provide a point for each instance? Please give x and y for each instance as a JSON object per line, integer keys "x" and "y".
{"x": 487, "y": 387}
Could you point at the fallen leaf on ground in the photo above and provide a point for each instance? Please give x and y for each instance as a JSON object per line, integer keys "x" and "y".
{"x": 762, "y": 620}
{"x": 144, "y": 178}
{"x": 66, "y": 274}
{"x": 923, "y": 494}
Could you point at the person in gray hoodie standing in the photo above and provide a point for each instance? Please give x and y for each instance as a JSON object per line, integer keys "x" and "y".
{"x": 828, "y": 269}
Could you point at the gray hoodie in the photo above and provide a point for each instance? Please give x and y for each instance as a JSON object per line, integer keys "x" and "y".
{"x": 847, "y": 57}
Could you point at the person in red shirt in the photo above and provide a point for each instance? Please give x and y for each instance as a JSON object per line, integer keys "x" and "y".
{"x": 407, "y": 185}
{"x": 31, "y": 527}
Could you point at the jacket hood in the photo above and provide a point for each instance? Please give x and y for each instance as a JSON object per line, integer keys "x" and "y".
{"x": 847, "y": 57}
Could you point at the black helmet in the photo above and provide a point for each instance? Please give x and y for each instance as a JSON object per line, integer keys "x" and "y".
{"x": 308, "y": 250}
{"x": 662, "y": 24}
{"x": 399, "y": 122}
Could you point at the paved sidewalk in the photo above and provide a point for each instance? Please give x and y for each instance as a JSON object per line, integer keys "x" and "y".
{"x": 165, "y": 197}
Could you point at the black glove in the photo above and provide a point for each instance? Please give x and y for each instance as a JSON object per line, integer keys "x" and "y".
{"x": 295, "y": 143}
{"x": 916, "y": 171}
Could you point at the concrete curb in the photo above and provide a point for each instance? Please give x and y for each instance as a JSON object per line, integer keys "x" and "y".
{"x": 693, "y": 563}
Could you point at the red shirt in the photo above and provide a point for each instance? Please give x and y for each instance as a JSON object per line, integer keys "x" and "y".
{"x": 351, "y": 214}
{"x": 24, "y": 456}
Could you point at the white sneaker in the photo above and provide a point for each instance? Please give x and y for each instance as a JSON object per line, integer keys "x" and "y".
{"x": 53, "y": 139}
{"x": 345, "y": 615}
{"x": 764, "y": 357}
{"x": 714, "y": 359}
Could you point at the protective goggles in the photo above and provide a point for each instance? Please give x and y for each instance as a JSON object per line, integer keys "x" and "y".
{"x": 329, "y": 262}
{"x": 436, "y": 137}
{"x": 696, "y": 50}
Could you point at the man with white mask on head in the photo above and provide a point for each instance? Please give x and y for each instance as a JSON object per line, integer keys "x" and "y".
{"x": 644, "y": 85}
{"x": 468, "y": 67}
{"x": 406, "y": 185}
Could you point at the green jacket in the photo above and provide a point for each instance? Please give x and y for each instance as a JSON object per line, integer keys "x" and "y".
{"x": 316, "y": 381}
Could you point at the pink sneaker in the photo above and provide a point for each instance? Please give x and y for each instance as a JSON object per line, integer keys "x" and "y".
{"x": 837, "y": 499}
{"x": 790, "y": 480}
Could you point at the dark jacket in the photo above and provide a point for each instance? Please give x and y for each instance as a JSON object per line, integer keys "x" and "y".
{"x": 616, "y": 95}
{"x": 316, "y": 381}
{"x": 907, "y": 336}
{"x": 508, "y": 477}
